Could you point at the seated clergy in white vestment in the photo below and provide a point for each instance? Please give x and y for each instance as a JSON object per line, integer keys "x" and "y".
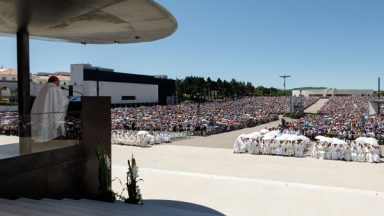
{"x": 239, "y": 145}
{"x": 376, "y": 154}
{"x": 48, "y": 112}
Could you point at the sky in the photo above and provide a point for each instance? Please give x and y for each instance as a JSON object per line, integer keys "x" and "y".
{"x": 319, "y": 43}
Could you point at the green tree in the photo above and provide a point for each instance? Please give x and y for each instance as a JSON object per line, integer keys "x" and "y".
{"x": 220, "y": 88}
{"x": 249, "y": 89}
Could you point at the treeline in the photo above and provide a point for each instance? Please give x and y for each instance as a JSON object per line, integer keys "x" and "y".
{"x": 199, "y": 88}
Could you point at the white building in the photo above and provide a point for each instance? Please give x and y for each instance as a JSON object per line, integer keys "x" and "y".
{"x": 40, "y": 79}
{"x": 328, "y": 92}
{"x": 122, "y": 87}
{"x": 8, "y": 82}
{"x": 8, "y": 74}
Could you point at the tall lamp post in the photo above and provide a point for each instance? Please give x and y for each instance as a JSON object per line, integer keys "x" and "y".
{"x": 284, "y": 77}
{"x": 378, "y": 87}
{"x": 198, "y": 104}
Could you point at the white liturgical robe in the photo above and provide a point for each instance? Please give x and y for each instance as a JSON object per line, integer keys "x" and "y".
{"x": 48, "y": 113}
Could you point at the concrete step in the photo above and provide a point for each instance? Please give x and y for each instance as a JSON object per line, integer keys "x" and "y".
{"x": 146, "y": 209}
{"x": 7, "y": 214}
{"x": 79, "y": 208}
{"x": 11, "y": 207}
{"x": 74, "y": 207}
{"x": 61, "y": 209}
{"x": 84, "y": 207}
{"x": 116, "y": 208}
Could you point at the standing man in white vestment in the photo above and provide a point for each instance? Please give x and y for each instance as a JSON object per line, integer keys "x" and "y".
{"x": 48, "y": 112}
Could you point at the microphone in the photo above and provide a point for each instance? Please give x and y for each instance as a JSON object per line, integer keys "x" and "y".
{"x": 71, "y": 90}
{"x": 79, "y": 93}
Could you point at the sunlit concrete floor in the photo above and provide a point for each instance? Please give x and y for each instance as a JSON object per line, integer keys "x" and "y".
{"x": 204, "y": 171}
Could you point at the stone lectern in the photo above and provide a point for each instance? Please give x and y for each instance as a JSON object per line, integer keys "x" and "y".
{"x": 69, "y": 172}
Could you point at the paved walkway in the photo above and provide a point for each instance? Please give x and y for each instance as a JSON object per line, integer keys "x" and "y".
{"x": 316, "y": 107}
{"x": 223, "y": 140}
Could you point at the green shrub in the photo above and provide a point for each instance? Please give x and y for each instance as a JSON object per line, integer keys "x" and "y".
{"x": 105, "y": 183}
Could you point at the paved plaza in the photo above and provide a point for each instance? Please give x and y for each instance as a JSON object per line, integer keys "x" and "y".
{"x": 204, "y": 171}
{"x": 244, "y": 184}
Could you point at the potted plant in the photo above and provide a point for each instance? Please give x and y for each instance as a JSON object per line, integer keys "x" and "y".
{"x": 134, "y": 193}
{"x": 105, "y": 191}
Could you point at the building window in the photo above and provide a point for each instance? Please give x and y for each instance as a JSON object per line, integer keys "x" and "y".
{"x": 41, "y": 82}
{"x": 128, "y": 97}
{"x": 14, "y": 78}
{"x": 4, "y": 78}
{"x": 65, "y": 83}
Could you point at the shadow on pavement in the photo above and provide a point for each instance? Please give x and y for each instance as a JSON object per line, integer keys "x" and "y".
{"x": 188, "y": 207}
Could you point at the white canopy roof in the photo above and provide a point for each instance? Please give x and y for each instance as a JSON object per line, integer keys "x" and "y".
{"x": 87, "y": 21}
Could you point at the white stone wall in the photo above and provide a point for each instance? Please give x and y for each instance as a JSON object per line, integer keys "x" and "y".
{"x": 144, "y": 93}
{"x": 332, "y": 92}
{"x": 77, "y": 75}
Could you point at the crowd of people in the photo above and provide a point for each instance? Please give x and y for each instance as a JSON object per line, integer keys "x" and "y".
{"x": 360, "y": 150}
{"x": 345, "y": 118}
{"x": 9, "y": 123}
{"x": 205, "y": 118}
{"x": 271, "y": 143}
{"x": 144, "y": 138}
{"x": 363, "y": 149}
